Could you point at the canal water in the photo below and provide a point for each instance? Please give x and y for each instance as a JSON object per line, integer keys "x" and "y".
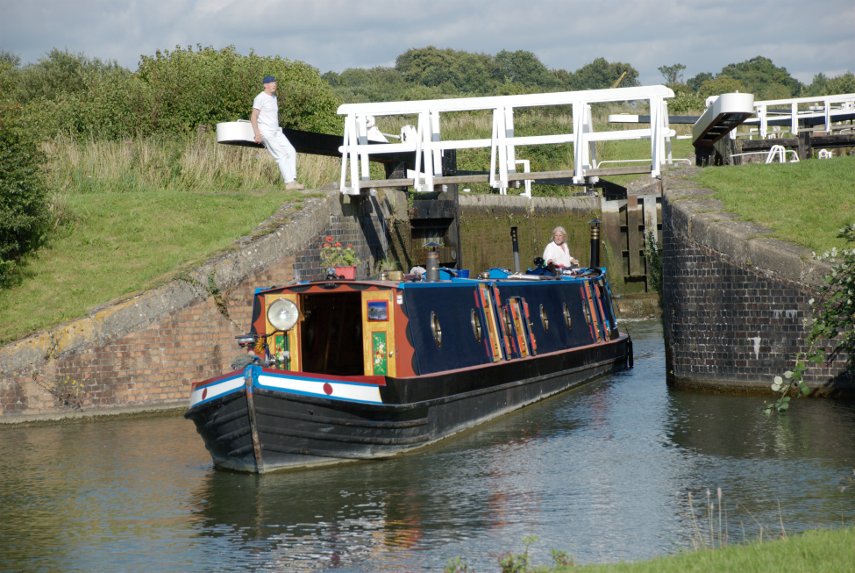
{"x": 622, "y": 469}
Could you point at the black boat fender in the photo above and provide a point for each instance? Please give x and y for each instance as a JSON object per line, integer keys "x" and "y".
{"x": 630, "y": 361}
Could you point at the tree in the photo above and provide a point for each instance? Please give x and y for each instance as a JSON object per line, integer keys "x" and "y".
{"x": 451, "y": 70}
{"x": 822, "y": 85}
{"x": 697, "y": 81}
{"x": 672, "y": 74}
{"x": 522, "y": 67}
{"x": 23, "y": 209}
{"x": 762, "y": 78}
{"x": 8, "y": 75}
{"x": 685, "y": 100}
{"x": 720, "y": 85}
{"x": 60, "y": 74}
{"x": 601, "y": 74}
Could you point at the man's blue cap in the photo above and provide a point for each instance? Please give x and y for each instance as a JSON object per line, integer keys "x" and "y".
{"x": 268, "y": 79}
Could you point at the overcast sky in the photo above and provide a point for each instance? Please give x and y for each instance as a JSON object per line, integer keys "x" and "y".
{"x": 704, "y": 35}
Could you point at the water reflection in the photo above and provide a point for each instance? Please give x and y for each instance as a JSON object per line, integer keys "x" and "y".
{"x": 603, "y": 473}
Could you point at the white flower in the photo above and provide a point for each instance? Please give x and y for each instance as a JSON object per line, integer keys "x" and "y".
{"x": 776, "y": 385}
{"x": 788, "y": 374}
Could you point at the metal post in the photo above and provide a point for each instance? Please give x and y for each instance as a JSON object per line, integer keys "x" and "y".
{"x": 595, "y": 244}
{"x": 516, "y": 246}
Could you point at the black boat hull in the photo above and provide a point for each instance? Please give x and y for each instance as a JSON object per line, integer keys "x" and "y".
{"x": 260, "y": 429}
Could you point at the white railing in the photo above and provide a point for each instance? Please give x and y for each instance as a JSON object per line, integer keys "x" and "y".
{"x": 425, "y": 139}
{"x": 830, "y": 109}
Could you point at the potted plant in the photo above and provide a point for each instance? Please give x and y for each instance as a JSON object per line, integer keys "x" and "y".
{"x": 343, "y": 259}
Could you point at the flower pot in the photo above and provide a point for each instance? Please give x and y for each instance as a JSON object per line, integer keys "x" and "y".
{"x": 346, "y": 272}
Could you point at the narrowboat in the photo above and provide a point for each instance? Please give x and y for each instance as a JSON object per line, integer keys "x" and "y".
{"x": 339, "y": 370}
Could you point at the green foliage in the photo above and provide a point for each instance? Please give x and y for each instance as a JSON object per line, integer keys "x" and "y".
{"x": 653, "y": 258}
{"x": 206, "y": 86}
{"x": 172, "y": 92}
{"x": 518, "y": 562}
{"x": 720, "y": 85}
{"x": 762, "y": 78}
{"x": 685, "y": 100}
{"x": 822, "y": 85}
{"x": 24, "y": 214}
{"x": 832, "y": 331}
{"x": 672, "y": 73}
{"x": 835, "y": 323}
{"x": 697, "y": 81}
{"x": 430, "y": 72}
{"x": 61, "y": 74}
{"x": 8, "y": 72}
{"x": 601, "y": 74}
{"x": 523, "y": 68}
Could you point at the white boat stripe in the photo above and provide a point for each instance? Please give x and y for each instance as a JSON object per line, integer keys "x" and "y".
{"x": 325, "y": 388}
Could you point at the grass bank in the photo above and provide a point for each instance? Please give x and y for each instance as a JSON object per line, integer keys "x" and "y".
{"x": 131, "y": 215}
{"x": 822, "y": 551}
{"x": 818, "y": 551}
{"x": 805, "y": 203}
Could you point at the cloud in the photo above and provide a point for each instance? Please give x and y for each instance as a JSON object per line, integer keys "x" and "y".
{"x": 337, "y": 34}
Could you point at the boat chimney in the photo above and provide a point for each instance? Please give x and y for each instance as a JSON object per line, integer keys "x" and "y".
{"x": 516, "y": 246}
{"x": 595, "y": 244}
{"x": 432, "y": 263}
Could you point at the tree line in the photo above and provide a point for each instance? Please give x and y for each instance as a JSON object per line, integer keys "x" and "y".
{"x": 430, "y": 72}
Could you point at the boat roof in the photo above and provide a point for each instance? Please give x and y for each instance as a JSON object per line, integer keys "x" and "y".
{"x": 494, "y": 275}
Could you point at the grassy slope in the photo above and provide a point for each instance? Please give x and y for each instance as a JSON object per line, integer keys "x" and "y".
{"x": 826, "y": 551}
{"x": 134, "y": 214}
{"x": 805, "y": 203}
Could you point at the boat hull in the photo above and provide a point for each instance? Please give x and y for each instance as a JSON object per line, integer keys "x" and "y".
{"x": 255, "y": 424}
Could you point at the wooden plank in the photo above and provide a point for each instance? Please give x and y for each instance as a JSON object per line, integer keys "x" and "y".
{"x": 634, "y": 235}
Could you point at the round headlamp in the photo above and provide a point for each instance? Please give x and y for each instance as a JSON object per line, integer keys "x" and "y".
{"x": 283, "y": 314}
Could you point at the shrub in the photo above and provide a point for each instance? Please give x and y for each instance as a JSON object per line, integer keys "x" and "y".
{"x": 23, "y": 209}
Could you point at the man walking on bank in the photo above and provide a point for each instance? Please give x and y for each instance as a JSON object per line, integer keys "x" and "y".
{"x": 265, "y": 124}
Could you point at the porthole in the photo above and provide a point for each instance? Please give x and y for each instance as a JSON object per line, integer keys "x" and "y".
{"x": 436, "y": 328}
{"x": 476, "y": 325}
{"x": 567, "y": 319}
{"x": 544, "y": 319}
{"x": 509, "y": 325}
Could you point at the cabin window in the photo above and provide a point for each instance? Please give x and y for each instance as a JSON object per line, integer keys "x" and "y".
{"x": 332, "y": 333}
{"x": 476, "y": 324}
{"x": 436, "y": 329}
{"x": 568, "y": 320}
{"x": 544, "y": 318}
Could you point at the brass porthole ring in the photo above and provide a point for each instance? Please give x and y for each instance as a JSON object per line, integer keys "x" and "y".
{"x": 476, "y": 325}
{"x": 436, "y": 328}
{"x": 544, "y": 319}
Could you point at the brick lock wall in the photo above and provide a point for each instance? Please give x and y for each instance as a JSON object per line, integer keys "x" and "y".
{"x": 735, "y": 301}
